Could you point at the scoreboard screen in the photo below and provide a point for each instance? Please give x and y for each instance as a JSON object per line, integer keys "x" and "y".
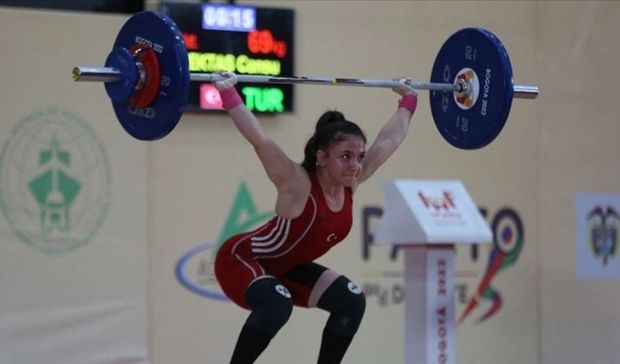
{"x": 240, "y": 39}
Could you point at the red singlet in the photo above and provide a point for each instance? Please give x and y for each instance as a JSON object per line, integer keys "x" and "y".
{"x": 282, "y": 244}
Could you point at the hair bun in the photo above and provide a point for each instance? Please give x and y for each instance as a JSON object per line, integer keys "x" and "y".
{"x": 329, "y": 117}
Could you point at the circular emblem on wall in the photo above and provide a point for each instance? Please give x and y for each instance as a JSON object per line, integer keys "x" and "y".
{"x": 55, "y": 181}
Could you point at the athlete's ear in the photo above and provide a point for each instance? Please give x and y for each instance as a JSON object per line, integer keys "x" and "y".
{"x": 321, "y": 158}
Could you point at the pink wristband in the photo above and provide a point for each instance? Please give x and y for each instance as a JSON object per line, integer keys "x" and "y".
{"x": 230, "y": 98}
{"x": 409, "y": 102}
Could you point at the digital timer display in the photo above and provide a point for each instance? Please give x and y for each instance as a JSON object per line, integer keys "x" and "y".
{"x": 228, "y": 17}
{"x": 240, "y": 39}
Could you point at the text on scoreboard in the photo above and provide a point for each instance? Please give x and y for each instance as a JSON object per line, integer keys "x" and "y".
{"x": 240, "y": 39}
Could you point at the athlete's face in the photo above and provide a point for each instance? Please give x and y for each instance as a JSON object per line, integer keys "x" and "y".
{"x": 343, "y": 160}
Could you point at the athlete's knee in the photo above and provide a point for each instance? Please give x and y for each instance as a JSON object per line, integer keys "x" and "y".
{"x": 271, "y": 306}
{"x": 346, "y": 303}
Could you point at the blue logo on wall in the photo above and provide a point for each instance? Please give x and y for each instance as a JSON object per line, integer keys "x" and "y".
{"x": 195, "y": 272}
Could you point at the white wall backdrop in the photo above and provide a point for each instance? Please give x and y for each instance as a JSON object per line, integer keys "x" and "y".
{"x": 73, "y": 193}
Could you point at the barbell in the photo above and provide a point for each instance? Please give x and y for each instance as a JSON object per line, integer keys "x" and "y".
{"x": 147, "y": 77}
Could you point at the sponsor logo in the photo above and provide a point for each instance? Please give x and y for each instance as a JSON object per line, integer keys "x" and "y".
{"x": 353, "y": 288}
{"x": 194, "y": 270}
{"x": 440, "y": 206}
{"x": 508, "y": 238}
{"x": 386, "y": 287}
{"x": 283, "y": 291}
{"x": 597, "y": 223}
{"x": 55, "y": 181}
{"x": 602, "y": 224}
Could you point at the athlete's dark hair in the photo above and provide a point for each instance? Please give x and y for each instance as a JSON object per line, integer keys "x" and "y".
{"x": 332, "y": 127}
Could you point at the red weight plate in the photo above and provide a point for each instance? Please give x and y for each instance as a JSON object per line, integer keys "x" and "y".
{"x": 144, "y": 96}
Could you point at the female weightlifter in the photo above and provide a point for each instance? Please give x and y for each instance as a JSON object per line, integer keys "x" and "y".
{"x": 271, "y": 268}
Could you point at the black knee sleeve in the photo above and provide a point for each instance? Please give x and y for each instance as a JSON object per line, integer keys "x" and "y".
{"x": 271, "y": 306}
{"x": 346, "y": 303}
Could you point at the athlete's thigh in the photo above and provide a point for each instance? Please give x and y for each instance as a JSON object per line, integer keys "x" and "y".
{"x": 308, "y": 282}
{"x": 235, "y": 274}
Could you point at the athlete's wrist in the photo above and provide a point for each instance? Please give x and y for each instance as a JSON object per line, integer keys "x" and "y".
{"x": 230, "y": 98}
{"x": 409, "y": 102}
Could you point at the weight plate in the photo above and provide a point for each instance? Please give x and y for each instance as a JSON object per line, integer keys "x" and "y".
{"x": 146, "y": 94}
{"x": 122, "y": 60}
{"x": 157, "y": 31}
{"x": 478, "y": 57}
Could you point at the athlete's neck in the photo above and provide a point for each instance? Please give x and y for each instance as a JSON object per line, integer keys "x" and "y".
{"x": 331, "y": 189}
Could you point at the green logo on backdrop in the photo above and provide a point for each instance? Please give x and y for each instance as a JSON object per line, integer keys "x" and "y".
{"x": 55, "y": 181}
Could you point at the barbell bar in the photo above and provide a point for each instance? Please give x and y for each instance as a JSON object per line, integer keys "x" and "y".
{"x": 109, "y": 74}
{"x": 147, "y": 78}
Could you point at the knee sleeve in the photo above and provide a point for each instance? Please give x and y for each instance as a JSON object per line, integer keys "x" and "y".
{"x": 271, "y": 305}
{"x": 346, "y": 303}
